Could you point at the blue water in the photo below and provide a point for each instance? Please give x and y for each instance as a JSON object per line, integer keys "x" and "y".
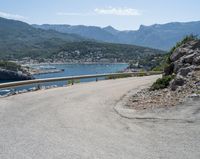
{"x": 84, "y": 69}
{"x": 73, "y": 70}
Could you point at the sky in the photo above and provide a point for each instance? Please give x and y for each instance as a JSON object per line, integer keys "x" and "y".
{"x": 121, "y": 14}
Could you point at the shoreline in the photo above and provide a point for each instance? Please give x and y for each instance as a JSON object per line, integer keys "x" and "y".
{"x": 69, "y": 63}
{"x": 39, "y": 71}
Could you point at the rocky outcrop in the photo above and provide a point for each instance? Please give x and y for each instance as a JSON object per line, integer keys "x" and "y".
{"x": 185, "y": 70}
{"x": 185, "y": 60}
{"x": 14, "y": 75}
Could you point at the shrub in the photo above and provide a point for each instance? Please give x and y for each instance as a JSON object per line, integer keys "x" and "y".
{"x": 161, "y": 83}
{"x": 10, "y": 66}
{"x": 71, "y": 82}
{"x": 118, "y": 76}
{"x": 184, "y": 41}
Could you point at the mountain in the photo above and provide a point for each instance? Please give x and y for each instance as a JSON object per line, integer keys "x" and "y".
{"x": 165, "y": 36}
{"x": 19, "y": 40}
{"x": 160, "y": 36}
{"x": 90, "y": 32}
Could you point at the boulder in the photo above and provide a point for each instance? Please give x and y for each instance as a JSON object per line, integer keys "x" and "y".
{"x": 185, "y": 71}
{"x": 189, "y": 58}
{"x": 178, "y": 81}
{"x": 177, "y": 65}
{"x": 197, "y": 60}
{"x": 194, "y": 44}
{"x": 178, "y": 53}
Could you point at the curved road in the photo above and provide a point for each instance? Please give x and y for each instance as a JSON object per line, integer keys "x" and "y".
{"x": 79, "y": 122}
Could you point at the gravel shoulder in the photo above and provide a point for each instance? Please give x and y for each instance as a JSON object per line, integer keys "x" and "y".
{"x": 81, "y": 122}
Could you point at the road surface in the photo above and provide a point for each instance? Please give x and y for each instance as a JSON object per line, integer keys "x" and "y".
{"x": 80, "y": 122}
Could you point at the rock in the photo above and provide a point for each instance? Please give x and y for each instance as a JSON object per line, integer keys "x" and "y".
{"x": 178, "y": 53}
{"x": 189, "y": 58}
{"x": 194, "y": 96}
{"x": 185, "y": 71}
{"x": 185, "y": 68}
{"x": 177, "y": 66}
{"x": 13, "y": 75}
{"x": 197, "y": 60}
{"x": 194, "y": 44}
{"x": 178, "y": 81}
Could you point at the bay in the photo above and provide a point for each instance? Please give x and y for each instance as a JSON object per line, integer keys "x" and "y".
{"x": 71, "y": 70}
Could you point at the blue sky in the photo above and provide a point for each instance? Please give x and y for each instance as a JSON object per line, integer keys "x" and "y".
{"x": 121, "y": 14}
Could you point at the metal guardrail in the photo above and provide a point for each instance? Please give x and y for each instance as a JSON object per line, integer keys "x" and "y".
{"x": 46, "y": 80}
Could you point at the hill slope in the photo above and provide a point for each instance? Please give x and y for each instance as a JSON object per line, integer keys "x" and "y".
{"x": 160, "y": 36}
{"x": 19, "y": 40}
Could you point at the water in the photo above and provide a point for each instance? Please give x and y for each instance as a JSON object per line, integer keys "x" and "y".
{"x": 72, "y": 70}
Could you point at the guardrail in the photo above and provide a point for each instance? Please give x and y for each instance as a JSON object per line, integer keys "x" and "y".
{"x": 46, "y": 80}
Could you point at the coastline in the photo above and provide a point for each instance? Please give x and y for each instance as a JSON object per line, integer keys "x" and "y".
{"x": 30, "y": 67}
{"x": 70, "y": 63}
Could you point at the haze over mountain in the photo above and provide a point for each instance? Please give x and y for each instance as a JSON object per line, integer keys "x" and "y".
{"x": 160, "y": 36}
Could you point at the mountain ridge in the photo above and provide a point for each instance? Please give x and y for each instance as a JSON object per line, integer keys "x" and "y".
{"x": 21, "y": 41}
{"x": 159, "y": 36}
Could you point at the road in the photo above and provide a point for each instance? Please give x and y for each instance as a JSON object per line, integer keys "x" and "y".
{"x": 80, "y": 122}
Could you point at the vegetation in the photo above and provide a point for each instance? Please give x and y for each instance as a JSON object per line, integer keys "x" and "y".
{"x": 19, "y": 40}
{"x": 139, "y": 74}
{"x": 10, "y": 66}
{"x": 161, "y": 83}
{"x": 94, "y": 52}
{"x": 148, "y": 62}
{"x": 119, "y": 76}
{"x": 71, "y": 82}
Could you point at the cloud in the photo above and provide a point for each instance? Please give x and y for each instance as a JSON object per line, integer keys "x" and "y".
{"x": 104, "y": 11}
{"x": 12, "y": 16}
{"x": 117, "y": 11}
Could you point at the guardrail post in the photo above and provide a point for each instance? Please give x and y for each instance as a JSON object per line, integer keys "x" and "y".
{"x": 13, "y": 91}
{"x": 38, "y": 86}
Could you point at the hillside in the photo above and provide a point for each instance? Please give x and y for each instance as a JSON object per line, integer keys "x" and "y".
{"x": 19, "y": 40}
{"x": 103, "y": 52}
{"x": 160, "y": 36}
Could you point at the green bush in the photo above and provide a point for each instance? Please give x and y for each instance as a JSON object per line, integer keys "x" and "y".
{"x": 71, "y": 82}
{"x": 10, "y": 66}
{"x": 118, "y": 76}
{"x": 161, "y": 83}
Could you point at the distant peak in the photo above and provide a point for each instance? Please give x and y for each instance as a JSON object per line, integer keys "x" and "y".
{"x": 142, "y": 27}
{"x": 109, "y": 27}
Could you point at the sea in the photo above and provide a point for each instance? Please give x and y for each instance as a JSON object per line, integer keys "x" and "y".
{"x": 69, "y": 70}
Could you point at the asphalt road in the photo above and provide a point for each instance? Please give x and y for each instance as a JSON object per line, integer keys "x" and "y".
{"x": 81, "y": 122}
